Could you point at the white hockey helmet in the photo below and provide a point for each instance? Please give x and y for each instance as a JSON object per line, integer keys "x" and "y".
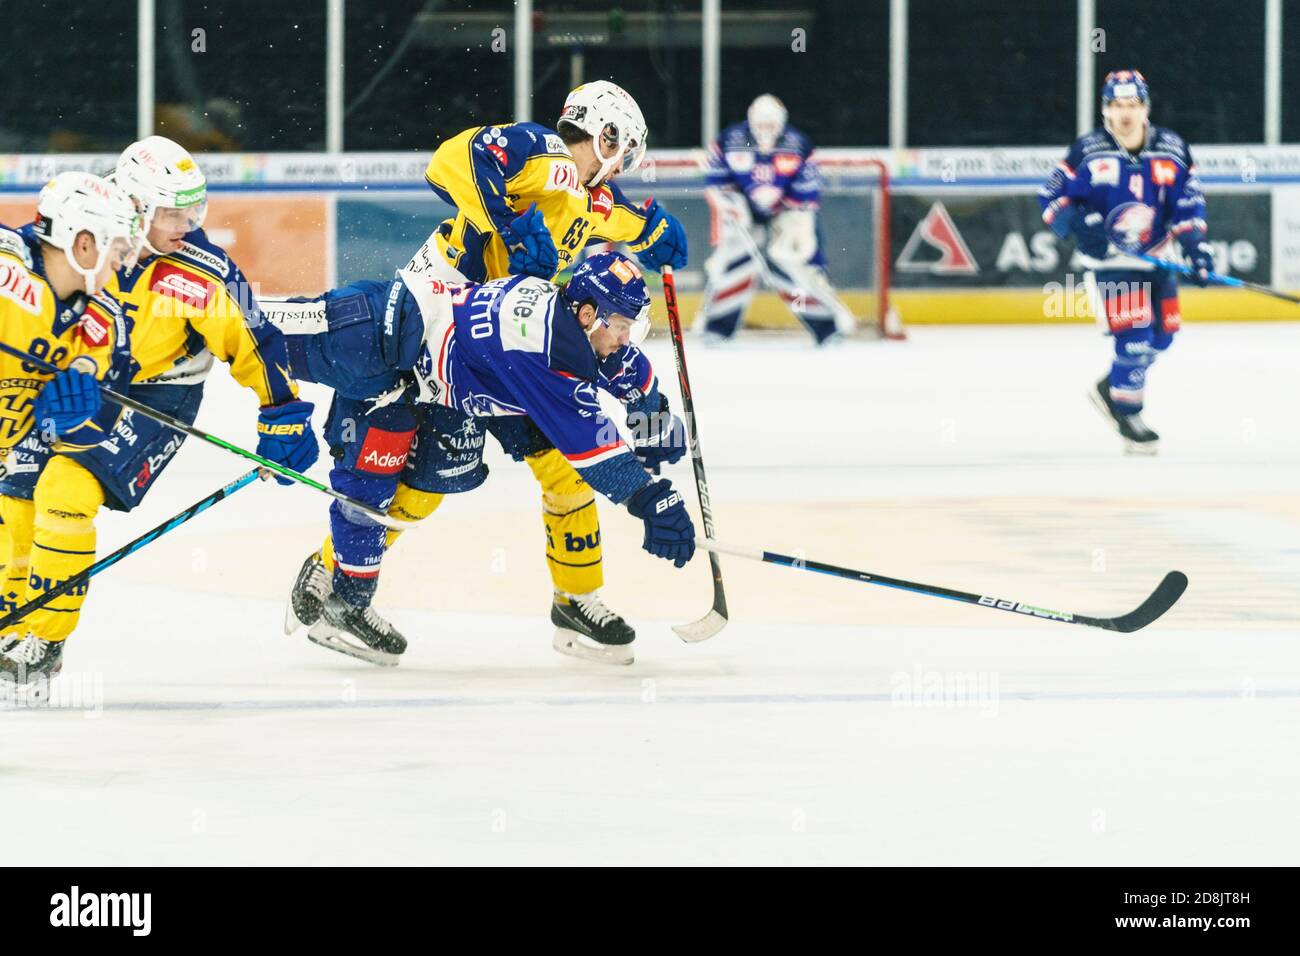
{"x": 767, "y": 116}
{"x": 164, "y": 179}
{"x": 608, "y": 114}
{"x": 74, "y": 202}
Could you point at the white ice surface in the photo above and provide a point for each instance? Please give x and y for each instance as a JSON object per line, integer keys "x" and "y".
{"x": 809, "y": 730}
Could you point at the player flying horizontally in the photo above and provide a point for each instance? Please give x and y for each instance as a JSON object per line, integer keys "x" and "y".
{"x": 528, "y": 199}
{"x": 422, "y": 350}
{"x": 764, "y": 191}
{"x": 1122, "y": 191}
{"x": 184, "y": 302}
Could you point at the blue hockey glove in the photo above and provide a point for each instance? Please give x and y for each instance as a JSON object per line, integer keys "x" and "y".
{"x": 1090, "y": 235}
{"x": 659, "y": 436}
{"x": 1201, "y": 256}
{"x": 531, "y": 248}
{"x": 662, "y": 241}
{"x": 284, "y": 436}
{"x": 669, "y": 533}
{"x": 67, "y": 401}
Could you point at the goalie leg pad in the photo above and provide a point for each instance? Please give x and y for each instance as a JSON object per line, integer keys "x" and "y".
{"x": 732, "y": 280}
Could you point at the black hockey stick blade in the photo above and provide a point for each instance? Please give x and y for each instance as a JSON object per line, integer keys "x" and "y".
{"x": 1160, "y": 600}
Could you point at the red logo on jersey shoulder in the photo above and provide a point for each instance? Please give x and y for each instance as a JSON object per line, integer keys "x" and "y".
{"x": 502, "y": 156}
{"x": 602, "y": 201}
{"x": 1164, "y": 172}
{"x": 384, "y": 452}
{"x": 181, "y": 284}
{"x": 786, "y": 164}
{"x": 94, "y": 326}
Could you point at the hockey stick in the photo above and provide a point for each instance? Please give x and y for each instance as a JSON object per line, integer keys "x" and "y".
{"x": 1216, "y": 279}
{"x": 106, "y": 562}
{"x": 716, "y": 619}
{"x": 373, "y": 513}
{"x": 1164, "y": 597}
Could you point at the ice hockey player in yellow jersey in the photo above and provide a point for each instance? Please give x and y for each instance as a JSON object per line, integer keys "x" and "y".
{"x": 184, "y": 304}
{"x": 528, "y": 199}
{"x": 53, "y": 273}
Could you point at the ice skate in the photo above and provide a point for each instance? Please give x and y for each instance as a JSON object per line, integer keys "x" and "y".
{"x": 30, "y": 659}
{"x": 358, "y": 632}
{"x": 315, "y": 583}
{"x": 587, "y": 629}
{"x": 1138, "y": 438}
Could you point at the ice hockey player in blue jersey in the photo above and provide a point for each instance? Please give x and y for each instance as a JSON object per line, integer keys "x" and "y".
{"x": 763, "y": 191}
{"x": 1122, "y": 191}
{"x": 422, "y": 367}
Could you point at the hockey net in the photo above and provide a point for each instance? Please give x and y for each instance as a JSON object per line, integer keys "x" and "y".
{"x": 854, "y": 225}
{"x": 857, "y": 236}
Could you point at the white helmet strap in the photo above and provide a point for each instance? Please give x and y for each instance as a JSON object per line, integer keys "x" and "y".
{"x": 87, "y": 275}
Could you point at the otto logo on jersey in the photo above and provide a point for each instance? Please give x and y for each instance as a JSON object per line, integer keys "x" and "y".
{"x": 384, "y": 452}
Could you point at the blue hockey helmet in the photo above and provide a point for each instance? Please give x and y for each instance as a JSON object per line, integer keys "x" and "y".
{"x": 612, "y": 283}
{"x": 1125, "y": 85}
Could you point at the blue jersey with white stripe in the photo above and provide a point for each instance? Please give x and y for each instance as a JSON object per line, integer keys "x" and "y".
{"x": 1147, "y": 197}
{"x": 511, "y": 346}
{"x": 782, "y": 177}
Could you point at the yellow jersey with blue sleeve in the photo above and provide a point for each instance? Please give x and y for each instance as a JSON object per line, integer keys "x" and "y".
{"x": 492, "y": 174}
{"x": 32, "y": 318}
{"x": 186, "y": 307}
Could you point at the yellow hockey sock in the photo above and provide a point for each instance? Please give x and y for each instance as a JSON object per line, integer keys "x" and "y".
{"x": 573, "y": 549}
{"x": 15, "y": 551}
{"x": 409, "y": 504}
{"x": 66, "y": 501}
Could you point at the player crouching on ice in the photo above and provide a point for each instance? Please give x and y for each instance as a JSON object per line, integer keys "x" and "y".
{"x": 1125, "y": 191}
{"x": 763, "y": 191}
{"x": 416, "y": 363}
